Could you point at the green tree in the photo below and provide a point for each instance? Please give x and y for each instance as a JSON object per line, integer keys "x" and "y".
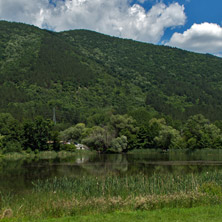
{"x": 10, "y": 131}
{"x": 55, "y": 139}
{"x": 99, "y": 138}
{"x": 123, "y": 122}
{"x": 73, "y": 133}
{"x": 1, "y": 141}
{"x": 168, "y": 138}
{"x": 157, "y": 134}
{"x": 9, "y": 127}
{"x": 37, "y": 133}
{"x": 154, "y": 127}
{"x": 124, "y": 125}
{"x": 200, "y": 133}
{"x": 118, "y": 144}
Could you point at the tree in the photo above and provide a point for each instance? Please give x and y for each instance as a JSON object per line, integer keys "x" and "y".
{"x": 37, "y": 133}
{"x": 143, "y": 115}
{"x": 9, "y": 127}
{"x": 168, "y": 138}
{"x": 124, "y": 125}
{"x": 55, "y": 140}
{"x": 10, "y": 133}
{"x": 157, "y": 134}
{"x": 118, "y": 144}
{"x": 1, "y": 141}
{"x": 200, "y": 133}
{"x": 154, "y": 127}
{"x": 99, "y": 138}
{"x": 123, "y": 122}
{"x": 73, "y": 133}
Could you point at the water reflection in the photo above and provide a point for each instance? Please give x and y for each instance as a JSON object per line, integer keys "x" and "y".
{"x": 18, "y": 175}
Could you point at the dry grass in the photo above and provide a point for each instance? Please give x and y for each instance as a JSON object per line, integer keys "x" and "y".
{"x": 74, "y": 196}
{"x": 7, "y": 213}
{"x": 56, "y": 206}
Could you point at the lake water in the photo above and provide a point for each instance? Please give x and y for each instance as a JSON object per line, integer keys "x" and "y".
{"x": 18, "y": 175}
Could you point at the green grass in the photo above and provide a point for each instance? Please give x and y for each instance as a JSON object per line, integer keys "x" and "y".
{"x": 197, "y": 214}
{"x": 43, "y": 154}
{"x": 89, "y": 195}
{"x": 123, "y": 186}
{"x": 200, "y": 214}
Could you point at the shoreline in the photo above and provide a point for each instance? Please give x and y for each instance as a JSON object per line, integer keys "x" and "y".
{"x": 43, "y": 154}
{"x": 64, "y": 154}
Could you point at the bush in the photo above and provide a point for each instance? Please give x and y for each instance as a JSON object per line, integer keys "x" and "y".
{"x": 211, "y": 188}
{"x": 12, "y": 146}
{"x": 68, "y": 147}
{"x": 119, "y": 144}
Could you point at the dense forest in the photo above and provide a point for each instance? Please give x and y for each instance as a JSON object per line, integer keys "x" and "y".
{"x": 108, "y": 93}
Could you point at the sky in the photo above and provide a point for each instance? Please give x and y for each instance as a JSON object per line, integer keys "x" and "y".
{"x": 194, "y": 25}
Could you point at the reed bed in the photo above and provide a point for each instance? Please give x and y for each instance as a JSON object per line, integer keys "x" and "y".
{"x": 59, "y": 197}
{"x": 108, "y": 186}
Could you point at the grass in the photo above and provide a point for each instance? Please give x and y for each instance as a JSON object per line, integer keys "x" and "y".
{"x": 17, "y": 156}
{"x": 200, "y": 214}
{"x": 197, "y": 214}
{"x": 136, "y": 185}
{"x": 86, "y": 195}
{"x": 43, "y": 154}
{"x": 145, "y": 151}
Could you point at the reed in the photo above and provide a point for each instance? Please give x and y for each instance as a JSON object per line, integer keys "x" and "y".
{"x": 113, "y": 185}
{"x": 59, "y": 197}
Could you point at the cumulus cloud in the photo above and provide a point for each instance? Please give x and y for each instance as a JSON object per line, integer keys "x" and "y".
{"x": 117, "y": 18}
{"x": 203, "y": 38}
{"x": 27, "y": 11}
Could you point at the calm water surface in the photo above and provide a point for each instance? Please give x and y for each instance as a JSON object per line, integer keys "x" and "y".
{"x": 17, "y": 176}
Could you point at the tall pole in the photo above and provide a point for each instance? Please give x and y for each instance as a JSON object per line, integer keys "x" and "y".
{"x": 54, "y": 116}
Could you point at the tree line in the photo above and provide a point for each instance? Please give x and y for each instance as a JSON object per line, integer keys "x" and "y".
{"x": 113, "y": 133}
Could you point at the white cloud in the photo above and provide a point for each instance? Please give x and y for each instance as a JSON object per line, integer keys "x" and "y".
{"x": 203, "y": 38}
{"x": 114, "y": 17}
{"x": 27, "y": 11}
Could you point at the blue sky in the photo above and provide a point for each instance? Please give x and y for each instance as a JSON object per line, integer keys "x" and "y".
{"x": 194, "y": 25}
{"x": 198, "y": 11}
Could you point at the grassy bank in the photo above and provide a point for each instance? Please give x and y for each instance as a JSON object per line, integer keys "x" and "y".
{"x": 63, "y": 197}
{"x": 197, "y": 214}
{"x": 204, "y": 151}
{"x": 200, "y": 214}
{"x": 43, "y": 154}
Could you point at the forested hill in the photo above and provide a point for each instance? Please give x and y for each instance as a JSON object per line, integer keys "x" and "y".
{"x": 84, "y": 74}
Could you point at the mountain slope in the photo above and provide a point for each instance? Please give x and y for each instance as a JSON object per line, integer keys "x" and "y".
{"x": 173, "y": 78}
{"x": 83, "y": 73}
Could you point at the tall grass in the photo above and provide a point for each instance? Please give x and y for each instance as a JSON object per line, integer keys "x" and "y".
{"x": 158, "y": 184}
{"x": 87, "y": 194}
{"x": 43, "y": 154}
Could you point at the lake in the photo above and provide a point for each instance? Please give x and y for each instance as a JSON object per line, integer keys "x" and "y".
{"x": 17, "y": 175}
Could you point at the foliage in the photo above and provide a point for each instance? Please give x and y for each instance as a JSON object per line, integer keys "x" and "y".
{"x": 68, "y": 147}
{"x": 199, "y": 133}
{"x": 73, "y": 133}
{"x": 168, "y": 138}
{"x": 1, "y": 140}
{"x": 123, "y": 122}
{"x": 12, "y": 146}
{"x": 98, "y": 139}
{"x": 119, "y": 144}
{"x": 9, "y": 126}
{"x": 84, "y": 75}
{"x": 103, "y": 89}
{"x": 36, "y": 134}
{"x": 211, "y": 188}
